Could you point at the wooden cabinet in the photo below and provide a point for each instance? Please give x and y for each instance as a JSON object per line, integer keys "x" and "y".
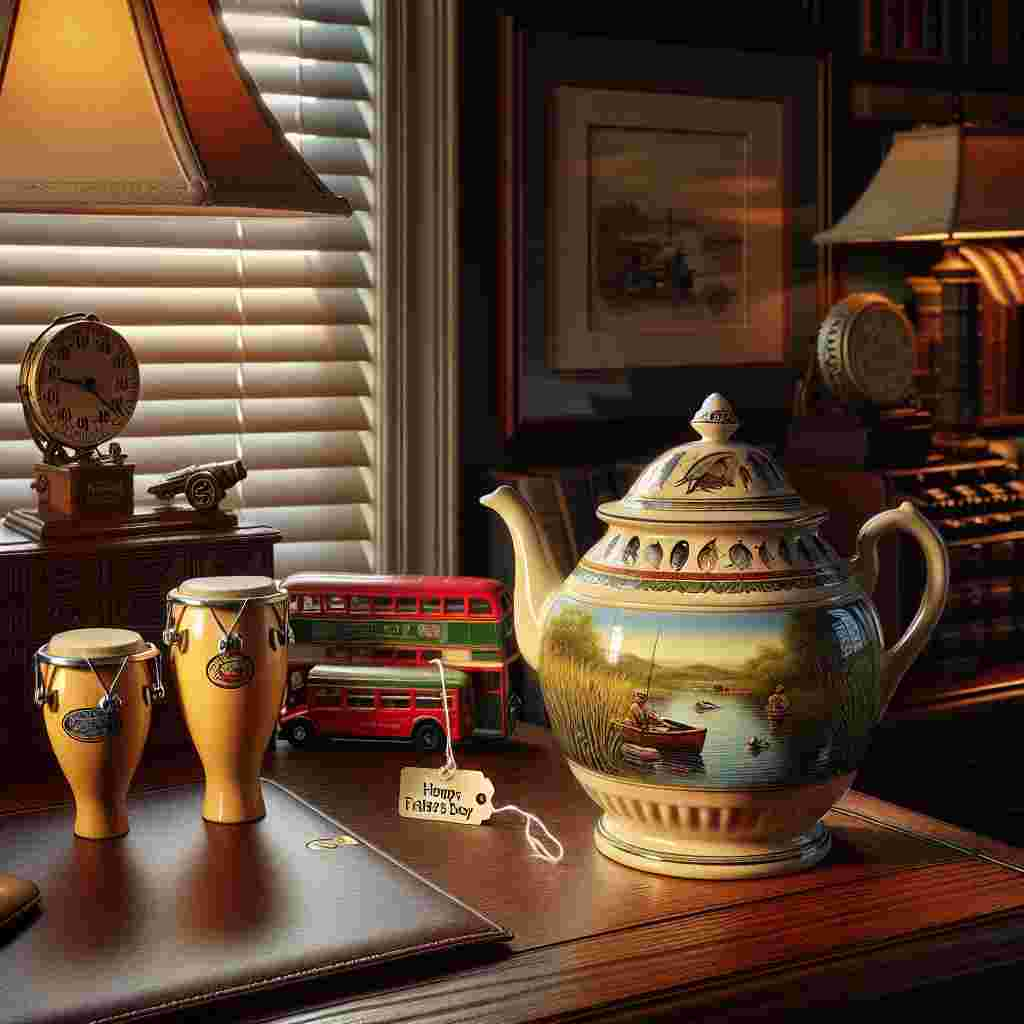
{"x": 48, "y": 588}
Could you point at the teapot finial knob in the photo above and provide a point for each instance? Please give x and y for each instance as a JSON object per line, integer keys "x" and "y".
{"x": 715, "y": 420}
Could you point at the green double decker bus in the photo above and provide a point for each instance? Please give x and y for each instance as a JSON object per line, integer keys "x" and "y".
{"x": 352, "y": 619}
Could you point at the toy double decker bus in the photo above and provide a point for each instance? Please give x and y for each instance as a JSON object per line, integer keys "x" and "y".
{"x": 351, "y": 619}
{"x": 380, "y": 701}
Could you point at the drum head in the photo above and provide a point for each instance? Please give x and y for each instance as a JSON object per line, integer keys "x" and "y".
{"x": 101, "y": 642}
{"x": 228, "y": 588}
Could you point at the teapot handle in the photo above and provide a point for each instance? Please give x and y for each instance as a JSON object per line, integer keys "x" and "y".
{"x": 864, "y": 565}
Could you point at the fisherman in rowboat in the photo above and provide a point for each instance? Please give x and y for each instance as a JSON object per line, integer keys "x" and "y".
{"x": 643, "y": 717}
{"x": 778, "y": 702}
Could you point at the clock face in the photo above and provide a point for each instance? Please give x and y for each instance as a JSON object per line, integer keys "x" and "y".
{"x": 865, "y": 350}
{"x": 881, "y": 354}
{"x": 84, "y": 385}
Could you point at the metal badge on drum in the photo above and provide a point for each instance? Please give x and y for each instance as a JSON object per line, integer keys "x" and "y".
{"x": 89, "y": 725}
{"x": 230, "y": 670}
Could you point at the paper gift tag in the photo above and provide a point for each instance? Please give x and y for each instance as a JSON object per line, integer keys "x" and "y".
{"x": 461, "y": 796}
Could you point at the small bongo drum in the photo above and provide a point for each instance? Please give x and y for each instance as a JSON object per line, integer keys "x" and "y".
{"x": 96, "y": 688}
{"x": 228, "y": 642}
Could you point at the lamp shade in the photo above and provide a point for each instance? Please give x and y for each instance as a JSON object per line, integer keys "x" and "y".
{"x": 139, "y": 106}
{"x": 958, "y": 181}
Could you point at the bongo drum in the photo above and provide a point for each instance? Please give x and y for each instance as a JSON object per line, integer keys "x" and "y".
{"x": 96, "y": 688}
{"x": 228, "y": 642}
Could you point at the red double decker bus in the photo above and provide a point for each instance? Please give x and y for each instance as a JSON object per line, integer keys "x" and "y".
{"x": 351, "y": 619}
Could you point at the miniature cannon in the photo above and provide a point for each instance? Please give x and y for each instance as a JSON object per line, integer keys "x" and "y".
{"x": 204, "y": 485}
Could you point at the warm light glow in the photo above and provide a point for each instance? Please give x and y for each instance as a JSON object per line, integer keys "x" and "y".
{"x": 276, "y": 59}
{"x": 961, "y": 236}
{"x": 117, "y": 107}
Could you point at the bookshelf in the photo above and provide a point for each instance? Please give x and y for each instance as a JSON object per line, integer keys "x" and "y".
{"x": 947, "y": 31}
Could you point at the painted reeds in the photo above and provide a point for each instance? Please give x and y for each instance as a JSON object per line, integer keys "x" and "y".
{"x": 583, "y": 700}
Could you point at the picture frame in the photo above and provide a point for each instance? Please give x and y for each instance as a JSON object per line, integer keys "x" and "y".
{"x": 666, "y": 239}
{"x": 536, "y": 393}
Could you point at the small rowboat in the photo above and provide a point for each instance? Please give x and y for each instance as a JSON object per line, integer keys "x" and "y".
{"x": 645, "y": 755}
{"x": 673, "y": 736}
{"x": 706, "y": 705}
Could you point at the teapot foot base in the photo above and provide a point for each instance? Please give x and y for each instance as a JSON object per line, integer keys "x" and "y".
{"x": 803, "y": 852}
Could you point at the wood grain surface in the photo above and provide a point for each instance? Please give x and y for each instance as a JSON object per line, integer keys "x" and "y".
{"x": 903, "y": 902}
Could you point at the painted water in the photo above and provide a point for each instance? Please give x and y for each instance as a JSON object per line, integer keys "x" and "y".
{"x": 599, "y": 664}
{"x": 786, "y": 751}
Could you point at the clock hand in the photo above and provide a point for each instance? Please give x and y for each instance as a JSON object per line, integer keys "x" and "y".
{"x": 89, "y": 384}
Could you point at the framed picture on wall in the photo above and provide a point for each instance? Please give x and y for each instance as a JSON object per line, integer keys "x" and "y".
{"x": 657, "y": 204}
{"x": 666, "y": 240}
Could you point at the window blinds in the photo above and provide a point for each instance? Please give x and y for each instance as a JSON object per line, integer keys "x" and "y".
{"x": 255, "y": 338}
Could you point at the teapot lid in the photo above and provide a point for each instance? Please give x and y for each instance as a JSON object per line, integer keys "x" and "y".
{"x": 714, "y": 479}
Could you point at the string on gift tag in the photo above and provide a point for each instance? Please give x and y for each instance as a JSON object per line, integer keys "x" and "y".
{"x": 450, "y": 767}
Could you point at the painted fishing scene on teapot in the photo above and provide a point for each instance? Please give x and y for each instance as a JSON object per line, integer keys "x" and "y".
{"x": 718, "y": 700}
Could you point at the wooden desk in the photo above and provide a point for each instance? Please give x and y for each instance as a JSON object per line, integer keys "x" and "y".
{"x": 902, "y": 903}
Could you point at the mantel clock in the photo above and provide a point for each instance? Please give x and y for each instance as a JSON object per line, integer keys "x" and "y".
{"x": 79, "y": 385}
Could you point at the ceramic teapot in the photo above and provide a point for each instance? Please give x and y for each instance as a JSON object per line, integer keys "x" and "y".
{"x": 712, "y": 668}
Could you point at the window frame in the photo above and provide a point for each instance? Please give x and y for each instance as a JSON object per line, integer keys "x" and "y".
{"x": 417, "y": 446}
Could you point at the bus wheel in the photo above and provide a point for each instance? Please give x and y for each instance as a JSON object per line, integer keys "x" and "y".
{"x": 428, "y": 737}
{"x": 300, "y": 733}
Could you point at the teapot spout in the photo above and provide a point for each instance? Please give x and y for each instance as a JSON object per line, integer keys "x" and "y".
{"x": 537, "y": 580}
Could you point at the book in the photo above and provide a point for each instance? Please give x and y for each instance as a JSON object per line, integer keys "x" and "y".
{"x": 870, "y": 27}
{"x": 892, "y": 27}
{"x": 927, "y": 316}
{"x": 977, "y": 38}
{"x": 913, "y": 25}
{"x": 951, "y": 20}
{"x": 931, "y": 31}
{"x": 1000, "y": 31}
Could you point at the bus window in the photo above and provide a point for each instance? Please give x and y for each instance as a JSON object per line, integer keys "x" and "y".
{"x": 455, "y": 605}
{"x": 335, "y": 603}
{"x": 395, "y": 700}
{"x": 360, "y": 698}
{"x": 310, "y": 603}
{"x": 426, "y": 700}
{"x": 382, "y": 604}
{"x": 431, "y": 605}
{"x": 407, "y": 604}
{"x": 480, "y": 606}
{"x": 359, "y": 603}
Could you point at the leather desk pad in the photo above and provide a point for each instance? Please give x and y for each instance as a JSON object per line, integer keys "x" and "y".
{"x": 181, "y": 912}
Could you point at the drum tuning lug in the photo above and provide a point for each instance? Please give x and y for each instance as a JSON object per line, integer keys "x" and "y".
{"x": 229, "y": 644}
{"x": 171, "y": 637}
{"x": 291, "y": 634}
{"x": 39, "y": 691}
{"x": 157, "y": 690}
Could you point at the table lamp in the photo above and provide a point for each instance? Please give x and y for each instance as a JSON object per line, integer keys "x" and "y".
{"x": 960, "y": 185}
{"x": 139, "y": 106}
